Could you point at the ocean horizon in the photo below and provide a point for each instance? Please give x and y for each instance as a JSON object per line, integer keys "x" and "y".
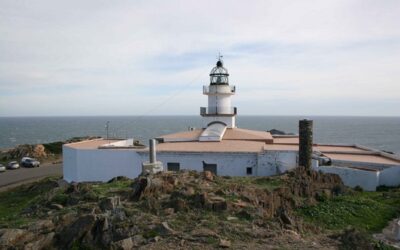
{"x": 379, "y": 132}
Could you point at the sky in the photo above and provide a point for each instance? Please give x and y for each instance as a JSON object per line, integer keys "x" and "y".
{"x": 136, "y": 57}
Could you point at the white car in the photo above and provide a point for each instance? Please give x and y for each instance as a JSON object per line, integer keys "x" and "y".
{"x": 2, "y": 168}
{"x": 28, "y": 162}
{"x": 13, "y": 165}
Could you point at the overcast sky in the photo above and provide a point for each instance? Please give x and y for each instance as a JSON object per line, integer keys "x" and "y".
{"x": 152, "y": 57}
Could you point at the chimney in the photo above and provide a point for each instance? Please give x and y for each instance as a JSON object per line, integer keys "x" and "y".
{"x": 305, "y": 143}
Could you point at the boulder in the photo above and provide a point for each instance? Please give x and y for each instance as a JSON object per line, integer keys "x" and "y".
{"x": 44, "y": 242}
{"x": 125, "y": 244}
{"x": 165, "y": 229}
{"x": 9, "y": 237}
{"x": 216, "y": 203}
{"x": 56, "y": 206}
{"x": 207, "y": 175}
{"x": 76, "y": 231}
{"x": 39, "y": 151}
{"x": 138, "y": 240}
{"x": 224, "y": 243}
{"x": 41, "y": 225}
{"x": 110, "y": 203}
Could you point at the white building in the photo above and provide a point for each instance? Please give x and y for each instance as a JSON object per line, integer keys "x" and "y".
{"x": 224, "y": 149}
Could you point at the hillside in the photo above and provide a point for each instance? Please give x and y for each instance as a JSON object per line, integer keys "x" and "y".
{"x": 191, "y": 210}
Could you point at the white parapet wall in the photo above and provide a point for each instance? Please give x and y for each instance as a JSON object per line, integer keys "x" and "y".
{"x": 100, "y": 164}
{"x": 352, "y": 177}
{"x": 390, "y": 177}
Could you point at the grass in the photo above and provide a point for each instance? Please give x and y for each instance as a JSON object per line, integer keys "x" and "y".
{"x": 105, "y": 189}
{"x": 269, "y": 183}
{"x": 366, "y": 211}
{"x": 14, "y": 201}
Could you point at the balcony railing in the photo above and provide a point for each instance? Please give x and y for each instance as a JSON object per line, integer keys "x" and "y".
{"x": 219, "y": 90}
{"x": 221, "y": 111}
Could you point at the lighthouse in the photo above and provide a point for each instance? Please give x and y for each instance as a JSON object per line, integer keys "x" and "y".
{"x": 219, "y": 94}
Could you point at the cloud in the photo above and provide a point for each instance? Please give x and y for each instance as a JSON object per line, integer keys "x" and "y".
{"x": 104, "y": 58}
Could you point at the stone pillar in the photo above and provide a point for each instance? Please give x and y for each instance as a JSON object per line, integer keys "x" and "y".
{"x": 152, "y": 166}
{"x": 305, "y": 143}
{"x": 152, "y": 151}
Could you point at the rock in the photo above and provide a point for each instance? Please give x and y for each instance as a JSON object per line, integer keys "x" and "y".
{"x": 67, "y": 219}
{"x": 286, "y": 218}
{"x": 110, "y": 203}
{"x": 207, "y": 175}
{"x": 180, "y": 205}
{"x": 42, "y": 225}
{"x": 138, "y": 188}
{"x": 216, "y": 203}
{"x": 230, "y": 218}
{"x": 62, "y": 183}
{"x": 10, "y": 237}
{"x": 125, "y": 244}
{"x": 43, "y": 243}
{"x": 224, "y": 243}
{"x": 169, "y": 211}
{"x": 56, "y": 206}
{"x": 39, "y": 151}
{"x": 165, "y": 229}
{"x": 77, "y": 230}
{"x": 138, "y": 240}
{"x": 103, "y": 224}
{"x": 189, "y": 191}
{"x": 203, "y": 232}
{"x": 118, "y": 215}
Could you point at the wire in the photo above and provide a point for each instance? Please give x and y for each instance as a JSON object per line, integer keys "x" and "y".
{"x": 176, "y": 93}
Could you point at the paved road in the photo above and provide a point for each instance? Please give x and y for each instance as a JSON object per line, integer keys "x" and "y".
{"x": 15, "y": 177}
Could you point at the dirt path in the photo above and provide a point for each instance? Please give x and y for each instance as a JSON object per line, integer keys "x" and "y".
{"x": 12, "y": 178}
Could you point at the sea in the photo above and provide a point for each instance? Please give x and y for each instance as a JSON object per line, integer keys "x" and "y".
{"x": 381, "y": 133}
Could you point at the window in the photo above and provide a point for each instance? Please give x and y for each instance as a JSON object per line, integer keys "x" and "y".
{"x": 173, "y": 166}
{"x": 249, "y": 171}
{"x": 210, "y": 167}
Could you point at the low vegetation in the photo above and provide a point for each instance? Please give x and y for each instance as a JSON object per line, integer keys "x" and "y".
{"x": 13, "y": 203}
{"x": 366, "y": 211}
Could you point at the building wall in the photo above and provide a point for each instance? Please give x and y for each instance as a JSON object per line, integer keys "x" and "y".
{"x": 233, "y": 164}
{"x": 351, "y": 177}
{"x": 70, "y": 163}
{"x": 100, "y": 164}
{"x": 275, "y": 162}
{"x": 390, "y": 176}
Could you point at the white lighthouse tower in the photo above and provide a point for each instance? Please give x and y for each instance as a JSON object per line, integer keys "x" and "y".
{"x": 219, "y": 94}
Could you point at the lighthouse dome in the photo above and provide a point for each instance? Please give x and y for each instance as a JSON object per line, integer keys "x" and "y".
{"x": 219, "y": 75}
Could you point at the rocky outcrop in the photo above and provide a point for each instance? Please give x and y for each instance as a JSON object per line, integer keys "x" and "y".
{"x": 35, "y": 151}
{"x": 186, "y": 209}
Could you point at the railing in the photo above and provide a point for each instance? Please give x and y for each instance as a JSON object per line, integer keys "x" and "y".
{"x": 223, "y": 111}
{"x": 226, "y": 89}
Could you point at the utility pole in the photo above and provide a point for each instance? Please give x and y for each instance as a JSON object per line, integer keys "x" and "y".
{"x": 107, "y": 126}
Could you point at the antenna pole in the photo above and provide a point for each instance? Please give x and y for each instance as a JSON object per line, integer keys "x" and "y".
{"x": 107, "y": 126}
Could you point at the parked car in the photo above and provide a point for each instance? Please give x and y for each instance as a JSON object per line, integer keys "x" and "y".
{"x": 2, "y": 168}
{"x": 28, "y": 162}
{"x": 12, "y": 165}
